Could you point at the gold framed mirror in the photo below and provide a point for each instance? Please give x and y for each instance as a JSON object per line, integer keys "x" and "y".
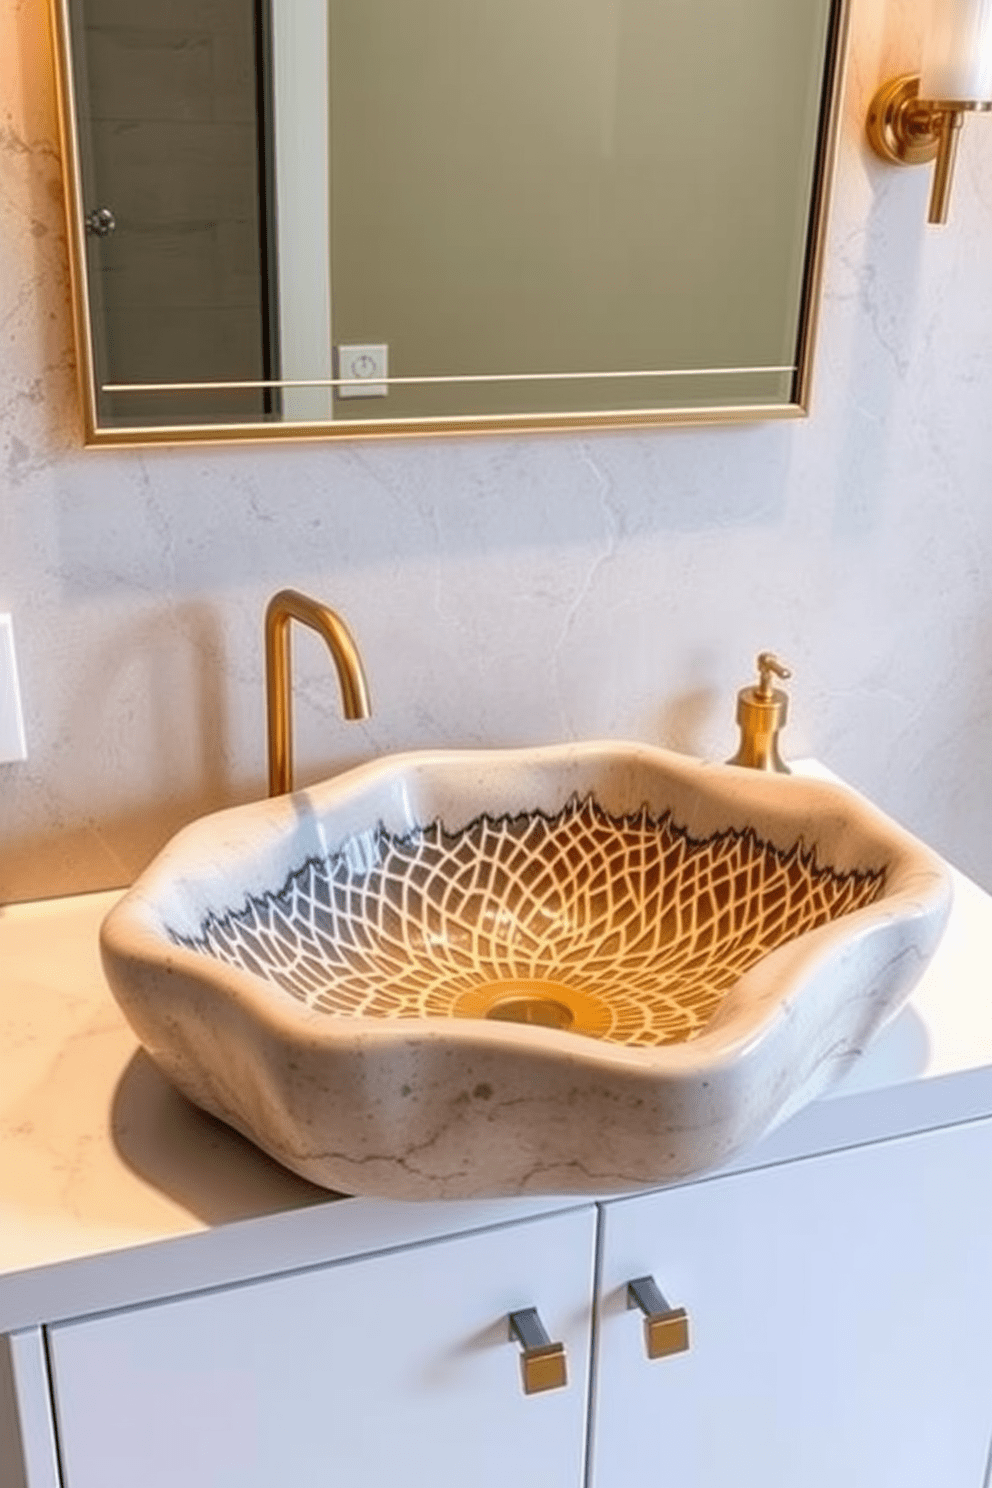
{"x": 316, "y": 218}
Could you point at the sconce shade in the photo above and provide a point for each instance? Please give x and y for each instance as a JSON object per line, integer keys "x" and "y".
{"x": 958, "y": 60}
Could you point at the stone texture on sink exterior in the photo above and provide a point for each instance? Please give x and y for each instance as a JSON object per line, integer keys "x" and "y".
{"x": 428, "y": 1104}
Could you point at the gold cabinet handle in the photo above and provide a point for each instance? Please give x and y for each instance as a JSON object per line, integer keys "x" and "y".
{"x": 666, "y": 1329}
{"x": 542, "y": 1363}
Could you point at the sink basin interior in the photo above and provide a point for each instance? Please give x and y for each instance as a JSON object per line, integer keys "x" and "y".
{"x": 624, "y": 928}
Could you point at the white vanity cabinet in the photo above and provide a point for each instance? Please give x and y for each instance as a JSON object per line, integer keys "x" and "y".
{"x": 180, "y": 1314}
{"x": 840, "y": 1324}
{"x": 392, "y": 1369}
{"x": 840, "y": 1314}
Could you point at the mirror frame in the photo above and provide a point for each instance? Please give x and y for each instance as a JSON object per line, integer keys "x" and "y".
{"x": 97, "y": 434}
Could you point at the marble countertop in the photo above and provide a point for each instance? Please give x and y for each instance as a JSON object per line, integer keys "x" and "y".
{"x": 114, "y": 1189}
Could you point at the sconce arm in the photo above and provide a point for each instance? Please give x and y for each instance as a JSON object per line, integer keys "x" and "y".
{"x": 905, "y": 129}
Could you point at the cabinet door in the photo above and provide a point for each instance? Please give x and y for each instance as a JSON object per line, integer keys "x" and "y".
{"x": 382, "y": 1371}
{"x": 840, "y": 1314}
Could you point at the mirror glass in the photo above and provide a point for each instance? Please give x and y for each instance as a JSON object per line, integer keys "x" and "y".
{"x": 372, "y": 215}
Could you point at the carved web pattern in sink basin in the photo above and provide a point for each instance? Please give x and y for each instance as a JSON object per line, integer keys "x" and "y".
{"x": 628, "y": 921}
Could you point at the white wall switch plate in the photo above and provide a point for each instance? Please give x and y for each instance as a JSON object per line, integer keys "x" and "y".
{"x": 13, "y": 745}
{"x": 366, "y": 365}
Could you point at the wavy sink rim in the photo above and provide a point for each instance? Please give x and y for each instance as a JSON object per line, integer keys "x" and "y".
{"x": 466, "y": 1106}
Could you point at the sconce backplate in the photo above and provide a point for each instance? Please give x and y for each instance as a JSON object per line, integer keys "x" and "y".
{"x": 901, "y": 129}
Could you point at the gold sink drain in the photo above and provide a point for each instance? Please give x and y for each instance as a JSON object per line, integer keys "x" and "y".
{"x": 546, "y": 1012}
{"x": 544, "y": 1004}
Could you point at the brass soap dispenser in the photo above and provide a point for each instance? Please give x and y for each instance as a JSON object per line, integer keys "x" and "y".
{"x": 761, "y": 713}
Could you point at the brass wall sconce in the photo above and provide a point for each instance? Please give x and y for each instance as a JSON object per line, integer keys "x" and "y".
{"x": 917, "y": 118}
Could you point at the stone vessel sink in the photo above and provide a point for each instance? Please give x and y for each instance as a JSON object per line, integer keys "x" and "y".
{"x": 584, "y": 968}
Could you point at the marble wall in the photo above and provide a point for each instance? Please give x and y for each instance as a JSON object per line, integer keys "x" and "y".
{"x": 511, "y": 589}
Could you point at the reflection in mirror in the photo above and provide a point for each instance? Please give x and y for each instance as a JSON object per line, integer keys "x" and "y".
{"x": 374, "y": 215}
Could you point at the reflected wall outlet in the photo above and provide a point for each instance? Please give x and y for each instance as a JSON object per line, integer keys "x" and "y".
{"x": 365, "y": 364}
{"x": 12, "y": 742}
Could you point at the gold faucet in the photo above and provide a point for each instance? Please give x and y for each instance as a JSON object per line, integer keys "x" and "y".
{"x": 761, "y": 713}
{"x": 288, "y": 605}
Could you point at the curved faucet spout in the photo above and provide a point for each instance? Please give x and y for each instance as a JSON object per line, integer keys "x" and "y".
{"x": 288, "y": 605}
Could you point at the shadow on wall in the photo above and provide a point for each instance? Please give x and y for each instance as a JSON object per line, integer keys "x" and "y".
{"x": 882, "y": 267}
{"x": 877, "y": 265}
{"x": 152, "y": 700}
{"x": 105, "y": 850}
{"x": 166, "y": 664}
{"x": 149, "y": 699}
{"x": 684, "y": 719}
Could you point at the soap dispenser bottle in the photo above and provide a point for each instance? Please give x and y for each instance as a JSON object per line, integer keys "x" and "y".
{"x": 761, "y": 713}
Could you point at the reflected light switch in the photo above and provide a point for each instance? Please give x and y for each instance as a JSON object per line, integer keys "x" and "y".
{"x": 12, "y": 742}
{"x": 364, "y": 364}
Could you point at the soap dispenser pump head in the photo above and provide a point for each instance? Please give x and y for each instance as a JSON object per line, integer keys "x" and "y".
{"x": 769, "y": 666}
{"x": 761, "y": 712}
